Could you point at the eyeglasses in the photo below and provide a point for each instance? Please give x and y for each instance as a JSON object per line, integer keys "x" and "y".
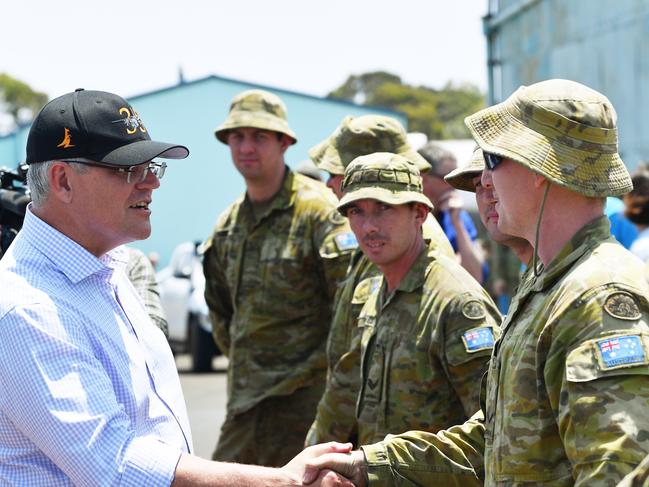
{"x": 491, "y": 160}
{"x": 136, "y": 174}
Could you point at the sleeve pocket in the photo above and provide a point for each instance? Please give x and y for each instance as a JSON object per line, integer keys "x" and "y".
{"x": 613, "y": 355}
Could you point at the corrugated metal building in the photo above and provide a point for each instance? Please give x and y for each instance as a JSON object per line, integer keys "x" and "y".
{"x": 600, "y": 43}
{"x": 194, "y": 191}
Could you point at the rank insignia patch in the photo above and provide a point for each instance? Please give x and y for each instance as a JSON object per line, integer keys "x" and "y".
{"x": 346, "y": 241}
{"x": 479, "y": 338}
{"x": 474, "y": 310}
{"x": 622, "y": 306}
{"x": 621, "y": 350}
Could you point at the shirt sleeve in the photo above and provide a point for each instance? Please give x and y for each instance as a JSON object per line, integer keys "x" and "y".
{"x": 596, "y": 373}
{"x": 58, "y": 395}
{"x": 335, "y": 242}
{"x": 217, "y": 296}
{"x": 336, "y": 414}
{"x": 451, "y": 457}
{"x": 471, "y": 327}
{"x": 142, "y": 275}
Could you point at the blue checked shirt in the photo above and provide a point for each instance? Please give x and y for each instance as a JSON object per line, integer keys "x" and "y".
{"x": 89, "y": 393}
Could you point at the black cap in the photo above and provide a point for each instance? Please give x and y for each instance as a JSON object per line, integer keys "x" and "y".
{"x": 94, "y": 125}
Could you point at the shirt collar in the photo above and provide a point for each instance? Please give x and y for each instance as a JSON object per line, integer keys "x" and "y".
{"x": 285, "y": 197}
{"x": 416, "y": 276}
{"x": 71, "y": 258}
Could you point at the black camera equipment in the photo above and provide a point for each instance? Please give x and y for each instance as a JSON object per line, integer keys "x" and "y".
{"x": 14, "y": 198}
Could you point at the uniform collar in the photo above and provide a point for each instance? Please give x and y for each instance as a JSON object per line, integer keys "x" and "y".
{"x": 283, "y": 199}
{"x": 597, "y": 230}
{"x": 416, "y": 276}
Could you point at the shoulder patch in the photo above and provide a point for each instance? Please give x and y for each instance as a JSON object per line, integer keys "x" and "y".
{"x": 346, "y": 241}
{"x": 621, "y": 305}
{"x": 621, "y": 351}
{"x": 474, "y": 310}
{"x": 479, "y": 338}
{"x": 336, "y": 218}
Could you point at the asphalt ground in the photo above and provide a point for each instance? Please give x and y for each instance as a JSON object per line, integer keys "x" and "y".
{"x": 205, "y": 397}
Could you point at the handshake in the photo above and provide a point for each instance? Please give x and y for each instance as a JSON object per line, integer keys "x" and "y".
{"x": 328, "y": 465}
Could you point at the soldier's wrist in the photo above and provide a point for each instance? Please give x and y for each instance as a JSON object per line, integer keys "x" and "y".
{"x": 359, "y": 476}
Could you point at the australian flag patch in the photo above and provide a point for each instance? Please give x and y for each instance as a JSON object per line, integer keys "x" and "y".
{"x": 346, "y": 241}
{"x": 480, "y": 338}
{"x": 621, "y": 350}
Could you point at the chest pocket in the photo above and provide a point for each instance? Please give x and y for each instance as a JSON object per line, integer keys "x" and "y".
{"x": 286, "y": 271}
{"x": 362, "y": 292}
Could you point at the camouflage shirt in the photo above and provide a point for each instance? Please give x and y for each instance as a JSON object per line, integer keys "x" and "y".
{"x": 639, "y": 477}
{"x": 141, "y": 273}
{"x": 269, "y": 286}
{"x": 567, "y": 392}
{"x": 335, "y": 419}
{"x": 424, "y": 348}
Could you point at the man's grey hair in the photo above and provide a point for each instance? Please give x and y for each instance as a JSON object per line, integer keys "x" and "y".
{"x": 435, "y": 154}
{"x": 38, "y": 182}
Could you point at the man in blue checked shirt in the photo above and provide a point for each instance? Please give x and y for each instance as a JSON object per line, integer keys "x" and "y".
{"x": 89, "y": 393}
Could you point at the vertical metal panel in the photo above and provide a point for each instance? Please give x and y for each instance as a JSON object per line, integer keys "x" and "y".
{"x": 600, "y": 43}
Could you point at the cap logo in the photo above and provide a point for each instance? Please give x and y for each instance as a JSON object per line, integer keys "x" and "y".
{"x": 66, "y": 143}
{"x": 132, "y": 121}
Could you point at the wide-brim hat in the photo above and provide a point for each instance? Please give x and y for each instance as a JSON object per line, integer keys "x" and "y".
{"x": 560, "y": 129}
{"x": 462, "y": 177}
{"x": 256, "y": 109}
{"x": 386, "y": 177}
{"x": 98, "y": 126}
{"x": 325, "y": 156}
{"x": 360, "y": 136}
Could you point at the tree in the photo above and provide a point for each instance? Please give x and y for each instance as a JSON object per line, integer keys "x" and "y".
{"x": 437, "y": 113}
{"x": 19, "y": 100}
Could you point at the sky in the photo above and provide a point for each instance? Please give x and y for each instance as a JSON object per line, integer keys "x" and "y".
{"x": 308, "y": 46}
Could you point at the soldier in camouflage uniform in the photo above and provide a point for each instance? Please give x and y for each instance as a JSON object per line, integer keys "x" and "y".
{"x": 567, "y": 392}
{"x": 428, "y": 329}
{"x": 141, "y": 273}
{"x": 355, "y": 136}
{"x": 271, "y": 267}
{"x": 470, "y": 178}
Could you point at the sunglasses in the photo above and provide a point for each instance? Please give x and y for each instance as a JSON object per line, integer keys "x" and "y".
{"x": 491, "y": 160}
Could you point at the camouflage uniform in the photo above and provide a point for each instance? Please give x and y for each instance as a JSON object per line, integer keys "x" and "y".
{"x": 142, "y": 275}
{"x": 639, "y": 477}
{"x": 424, "y": 348}
{"x": 270, "y": 281}
{"x": 566, "y": 396}
{"x": 356, "y": 136}
{"x": 426, "y": 343}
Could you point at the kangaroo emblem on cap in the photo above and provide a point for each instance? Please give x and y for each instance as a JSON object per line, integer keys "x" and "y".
{"x": 66, "y": 142}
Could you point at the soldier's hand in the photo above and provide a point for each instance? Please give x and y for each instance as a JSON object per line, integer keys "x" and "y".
{"x": 297, "y": 466}
{"x": 352, "y": 465}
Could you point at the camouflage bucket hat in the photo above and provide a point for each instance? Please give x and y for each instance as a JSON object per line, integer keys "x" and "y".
{"x": 383, "y": 176}
{"x": 257, "y": 109}
{"x": 324, "y": 156}
{"x": 560, "y": 129}
{"x": 360, "y": 136}
{"x": 462, "y": 177}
